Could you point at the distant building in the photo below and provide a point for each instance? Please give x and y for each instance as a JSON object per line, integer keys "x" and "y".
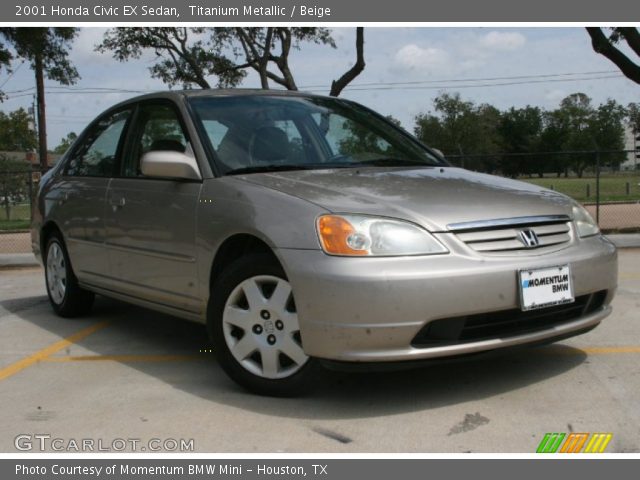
{"x": 631, "y": 142}
{"x": 31, "y": 157}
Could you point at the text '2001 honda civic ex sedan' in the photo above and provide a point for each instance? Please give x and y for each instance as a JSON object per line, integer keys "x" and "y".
{"x": 304, "y": 229}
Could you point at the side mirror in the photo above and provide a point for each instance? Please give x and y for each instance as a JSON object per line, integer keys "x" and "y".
{"x": 438, "y": 151}
{"x": 169, "y": 164}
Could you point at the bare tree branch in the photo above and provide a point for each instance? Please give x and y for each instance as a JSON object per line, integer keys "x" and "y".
{"x": 338, "y": 85}
{"x": 603, "y": 45}
{"x": 632, "y": 37}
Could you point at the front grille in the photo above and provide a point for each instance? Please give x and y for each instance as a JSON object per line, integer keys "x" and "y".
{"x": 504, "y": 235}
{"x": 504, "y": 323}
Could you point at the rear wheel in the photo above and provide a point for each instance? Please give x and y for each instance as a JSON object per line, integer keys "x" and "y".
{"x": 65, "y": 295}
{"x": 254, "y": 326}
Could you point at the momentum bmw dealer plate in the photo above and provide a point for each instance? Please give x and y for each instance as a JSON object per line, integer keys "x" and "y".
{"x": 545, "y": 287}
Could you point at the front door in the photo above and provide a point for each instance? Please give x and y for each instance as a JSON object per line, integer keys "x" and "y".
{"x": 151, "y": 222}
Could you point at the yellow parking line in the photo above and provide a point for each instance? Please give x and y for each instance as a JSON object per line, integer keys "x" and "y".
{"x": 40, "y": 355}
{"x": 126, "y": 358}
{"x": 610, "y": 350}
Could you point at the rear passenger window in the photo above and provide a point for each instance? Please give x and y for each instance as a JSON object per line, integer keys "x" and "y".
{"x": 96, "y": 155}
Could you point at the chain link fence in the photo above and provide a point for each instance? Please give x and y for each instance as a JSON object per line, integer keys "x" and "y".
{"x": 17, "y": 190}
{"x": 607, "y": 183}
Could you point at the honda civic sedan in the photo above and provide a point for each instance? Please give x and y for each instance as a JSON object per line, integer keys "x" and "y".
{"x": 305, "y": 230}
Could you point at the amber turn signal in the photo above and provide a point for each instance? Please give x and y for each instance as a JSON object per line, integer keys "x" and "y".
{"x": 334, "y": 232}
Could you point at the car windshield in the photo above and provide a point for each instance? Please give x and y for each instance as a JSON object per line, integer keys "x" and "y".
{"x": 260, "y": 133}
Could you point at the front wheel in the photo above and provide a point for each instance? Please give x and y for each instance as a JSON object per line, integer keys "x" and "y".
{"x": 254, "y": 327}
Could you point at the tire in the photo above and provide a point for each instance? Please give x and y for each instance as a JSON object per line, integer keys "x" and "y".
{"x": 67, "y": 298}
{"x": 252, "y": 323}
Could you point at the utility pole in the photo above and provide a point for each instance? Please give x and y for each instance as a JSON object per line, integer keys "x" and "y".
{"x": 42, "y": 125}
{"x": 636, "y": 148}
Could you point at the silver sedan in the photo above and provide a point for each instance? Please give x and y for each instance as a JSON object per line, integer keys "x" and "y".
{"x": 305, "y": 230}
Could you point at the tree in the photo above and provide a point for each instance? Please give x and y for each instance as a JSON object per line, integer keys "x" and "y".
{"x": 183, "y": 56}
{"x": 552, "y": 137}
{"x": 633, "y": 117}
{"x": 579, "y": 127}
{"x": 5, "y": 62}
{"x": 272, "y": 45}
{"x": 47, "y": 50}
{"x": 65, "y": 143}
{"x": 607, "y": 130}
{"x": 576, "y": 113}
{"x": 520, "y": 130}
{"x": 459, "y": 127}
{"x": 190, "y": 56}
{"x": 607, "y": 45}
{"x": 13, "y": 183}
{"x": 16, "y": 133}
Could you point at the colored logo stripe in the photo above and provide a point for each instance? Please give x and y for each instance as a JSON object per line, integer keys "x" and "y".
{"x": 598, "y": 443}
{"x": 550, "y": 443}
{"x": 574, "y": 443}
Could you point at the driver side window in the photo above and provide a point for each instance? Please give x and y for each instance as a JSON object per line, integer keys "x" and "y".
{"x": 158, "y": 128}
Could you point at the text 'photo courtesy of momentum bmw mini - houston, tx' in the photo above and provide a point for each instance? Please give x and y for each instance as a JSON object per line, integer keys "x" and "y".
{"x": 308, "y": 231}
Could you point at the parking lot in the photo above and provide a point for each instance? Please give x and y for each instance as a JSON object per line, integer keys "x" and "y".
{"x": 128, "y": 373}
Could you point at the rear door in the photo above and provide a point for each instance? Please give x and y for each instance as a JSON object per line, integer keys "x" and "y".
{"x": 80, "y": 208}
{"x": 151, "y": 222}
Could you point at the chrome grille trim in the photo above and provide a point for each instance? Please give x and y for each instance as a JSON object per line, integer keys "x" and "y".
{"x": 507, "y": 222}
{"x": 502, "y": 235}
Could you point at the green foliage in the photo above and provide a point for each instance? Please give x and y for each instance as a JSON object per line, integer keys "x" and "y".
{"x": 65, "y": 143}
{"x": 50, "y": 44}
{"x": 459, "y": 127}
{"x": 191, "y": 56}
{"x": 14, "y": 183}
{"x": 520, "y": 131}
{"x": 633, "y": 117}
{"x": 183, "y": 56}
{"x": 15, "y": 134}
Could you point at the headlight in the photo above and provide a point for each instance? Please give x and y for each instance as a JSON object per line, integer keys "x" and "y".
{"x": 360, "y": 235}
{"x": 585, "y": 225}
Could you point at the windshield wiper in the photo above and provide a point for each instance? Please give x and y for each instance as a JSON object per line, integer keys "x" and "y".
{"x": 266, "y": 168}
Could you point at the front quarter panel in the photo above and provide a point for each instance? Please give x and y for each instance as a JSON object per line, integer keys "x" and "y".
{"x": 229, "y": 206}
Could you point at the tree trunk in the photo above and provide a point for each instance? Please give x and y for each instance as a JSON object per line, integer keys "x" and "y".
{"x": 42, "y": 123}
{"x": 7, "y": 207}
{"x": 264, "y": 60}
{"x": 338, "y": 85}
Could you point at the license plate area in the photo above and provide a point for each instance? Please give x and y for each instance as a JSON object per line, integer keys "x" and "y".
{"x": 545, "y": 287}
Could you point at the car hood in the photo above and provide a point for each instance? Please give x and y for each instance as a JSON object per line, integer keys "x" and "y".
{"x": 433, "y": 197}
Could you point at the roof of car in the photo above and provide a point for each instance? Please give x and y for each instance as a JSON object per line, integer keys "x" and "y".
{"x": 220, "y": 92}
{"x": 212, "y": 92}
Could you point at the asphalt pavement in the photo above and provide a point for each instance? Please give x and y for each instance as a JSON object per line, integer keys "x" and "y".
{"x": 125, "y": 373}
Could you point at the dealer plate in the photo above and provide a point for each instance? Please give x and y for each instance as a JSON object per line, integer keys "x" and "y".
{"x": 545, "y": 287}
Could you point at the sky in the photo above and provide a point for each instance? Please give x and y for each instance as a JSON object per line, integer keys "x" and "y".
{"x": 417, "y": 63}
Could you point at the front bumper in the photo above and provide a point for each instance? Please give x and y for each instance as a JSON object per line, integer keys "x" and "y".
{"x": 370, "y": 309}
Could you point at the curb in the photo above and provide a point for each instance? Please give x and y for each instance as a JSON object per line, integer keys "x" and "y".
{"x": 18, "y": 260}
{"x": 622, "y": 240}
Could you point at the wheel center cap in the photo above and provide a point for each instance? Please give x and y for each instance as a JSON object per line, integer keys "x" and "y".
{"x": 268, "y": 326}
